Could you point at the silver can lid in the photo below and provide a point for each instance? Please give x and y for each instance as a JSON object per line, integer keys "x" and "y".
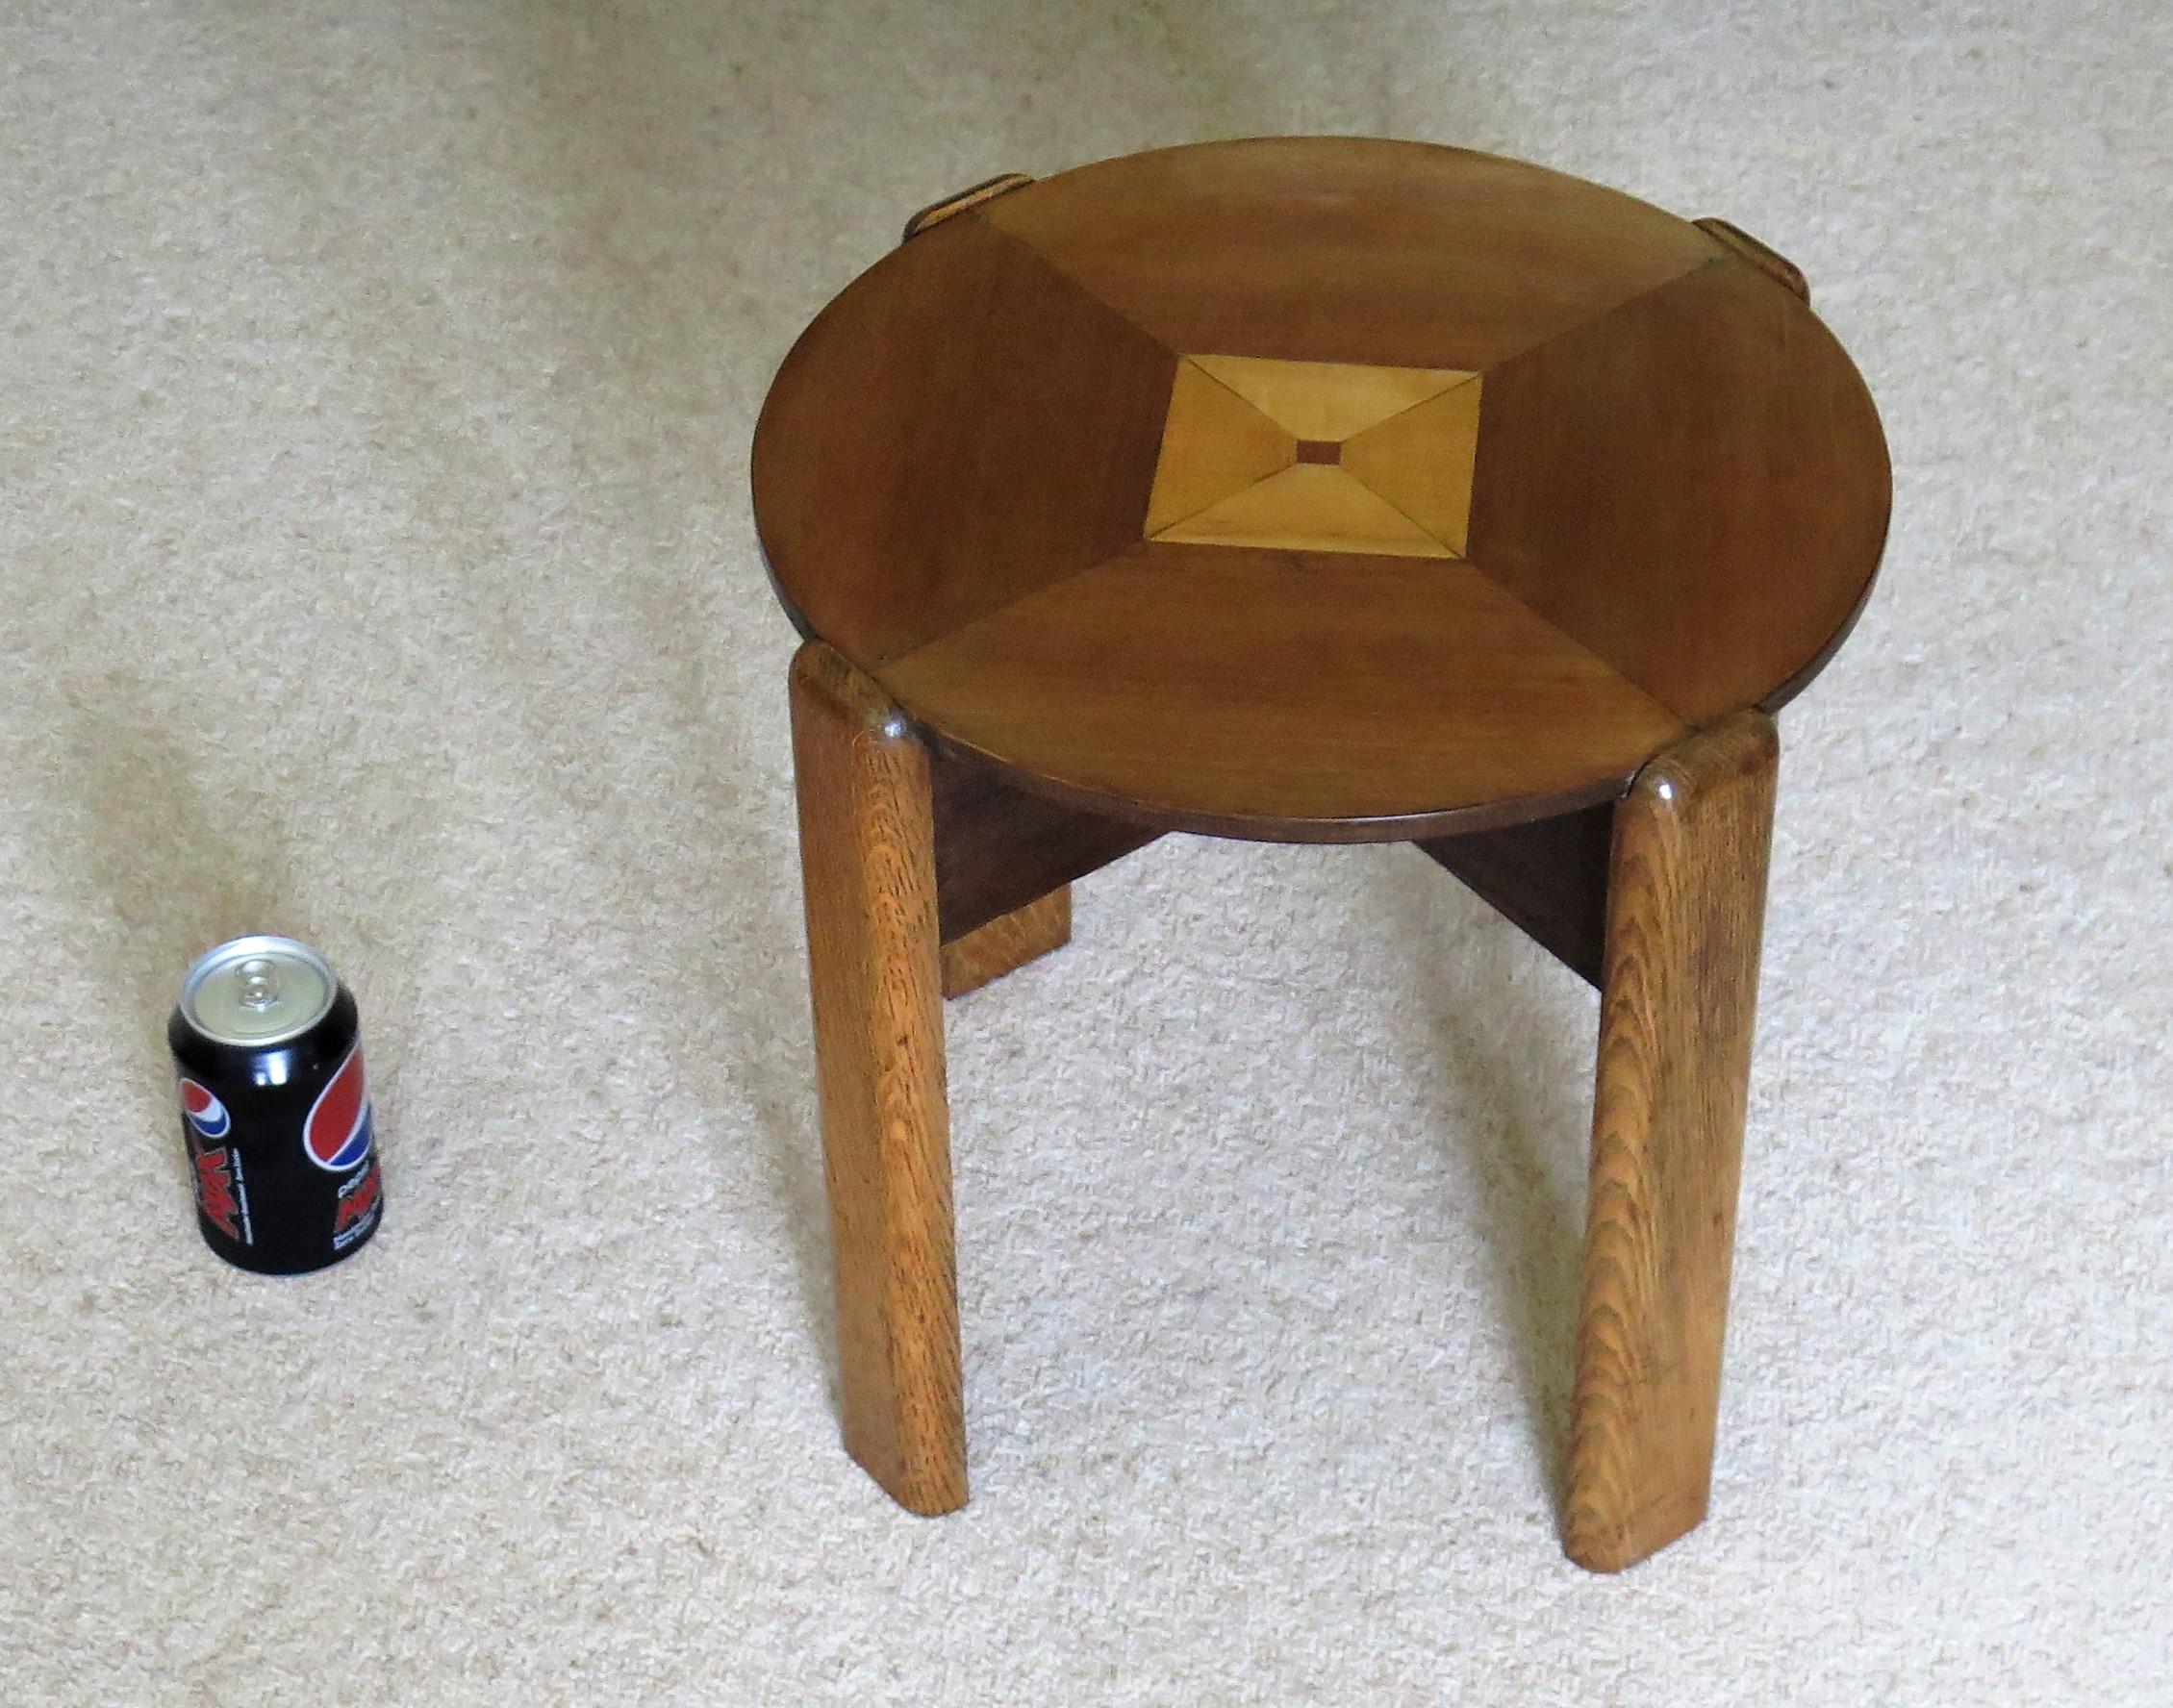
{"x": 258, "y": 991}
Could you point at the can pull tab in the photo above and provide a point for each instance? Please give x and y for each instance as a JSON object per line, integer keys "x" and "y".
{"x": 260, "y": 985}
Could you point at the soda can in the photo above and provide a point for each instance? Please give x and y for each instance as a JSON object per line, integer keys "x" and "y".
{"x": 275, "y": 1107}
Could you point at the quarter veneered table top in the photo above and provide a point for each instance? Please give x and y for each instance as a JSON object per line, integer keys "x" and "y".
{"x": 1321, "y": 488}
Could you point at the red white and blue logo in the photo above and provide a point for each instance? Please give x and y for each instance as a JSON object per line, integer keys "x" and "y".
{"x": 337, "y": 1133}
{"x": 204, "y": 1111}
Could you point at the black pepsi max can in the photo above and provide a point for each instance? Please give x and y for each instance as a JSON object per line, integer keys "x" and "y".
{"x": 275, "y": 1107}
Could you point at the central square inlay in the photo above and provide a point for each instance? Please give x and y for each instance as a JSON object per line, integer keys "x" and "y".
{"x": 1317, "y": 455}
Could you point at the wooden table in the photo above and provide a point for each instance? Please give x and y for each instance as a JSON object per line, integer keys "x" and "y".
{"x": 1312, "y": 490}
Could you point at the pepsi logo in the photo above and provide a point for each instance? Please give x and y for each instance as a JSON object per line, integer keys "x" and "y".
{"x": 338, "y": 1132}
{"x": 204, "y": 1111}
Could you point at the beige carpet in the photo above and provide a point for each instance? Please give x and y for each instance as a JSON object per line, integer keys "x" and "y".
{"x": 376, "y": 383}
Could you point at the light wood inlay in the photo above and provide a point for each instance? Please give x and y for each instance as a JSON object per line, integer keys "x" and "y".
{"x": 1214, "y": 445}
{"x": 1421, "y": 462}
{"x": 1383, "y": 456}
{"x": 1685, "y": 913}
{"x": 1330, "y": 400}
{"x": 1005, "y": 945}
{"x": 867, "y": 835}
{"x": 1310, "y": 506}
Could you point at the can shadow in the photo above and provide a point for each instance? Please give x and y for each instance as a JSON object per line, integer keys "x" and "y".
{"x": 173, "y": 866}
{"x": 1508, "y": 1081}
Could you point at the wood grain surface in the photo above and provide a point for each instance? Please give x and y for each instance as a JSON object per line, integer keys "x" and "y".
{"x": 1422, "y": 461}
{"x": 987, "y": 190}
{"x": 1435, "y": 697}
{"x": 867, "y": 852}
{"x": 961, "y": 426}
{"x": 1214, "y": 445}
{"x": 1664, "y": 485}
{"x": 1686, "y": 911}
{"x": 1770, "y": 262}
{"x": 1313, "y": 489}
{"x": 1664, "y": 462}
{"x": 1310, "y": 506}
{"x": 1341, "y": 249}
{"x": 1006, "y": 944}
{"x": 1330, "y": 401}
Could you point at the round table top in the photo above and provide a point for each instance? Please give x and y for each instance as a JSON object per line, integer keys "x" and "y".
{"x": 1322, "y": 488}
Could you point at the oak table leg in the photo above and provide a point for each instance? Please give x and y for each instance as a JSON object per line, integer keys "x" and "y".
{"x": 1686, "y": 908}
{"x": 868, "y": 854}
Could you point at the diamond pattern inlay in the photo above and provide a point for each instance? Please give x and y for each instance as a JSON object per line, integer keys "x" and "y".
{"x": 1317, "y": 455}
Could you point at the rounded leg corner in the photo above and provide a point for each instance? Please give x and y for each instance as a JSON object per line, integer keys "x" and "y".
{"x": 1685, "y": 914}
{"x": 868, "y": 859}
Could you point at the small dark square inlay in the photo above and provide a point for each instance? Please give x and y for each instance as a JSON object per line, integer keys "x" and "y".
{"x": 1319, "y": 450}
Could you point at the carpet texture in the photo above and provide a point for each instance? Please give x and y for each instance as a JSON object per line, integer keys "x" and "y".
{"x": 375, "y": 387}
